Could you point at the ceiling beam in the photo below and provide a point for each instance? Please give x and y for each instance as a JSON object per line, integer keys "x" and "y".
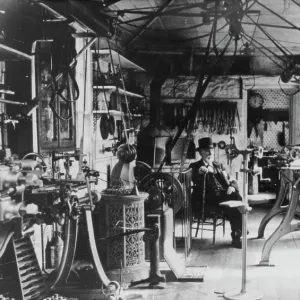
{"x": 162, "y": 8}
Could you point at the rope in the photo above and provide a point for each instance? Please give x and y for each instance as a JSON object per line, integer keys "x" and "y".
{"x": 192, "y": 111}
{"x": 114, "y": 72}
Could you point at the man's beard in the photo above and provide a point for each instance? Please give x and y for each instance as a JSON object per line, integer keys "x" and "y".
{"x": 209, "y": 160}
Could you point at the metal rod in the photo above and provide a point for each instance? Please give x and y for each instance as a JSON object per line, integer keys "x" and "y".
{"x": 274, "y": 61}
{"x": 203, "y": 204}
{"x": 89, "y": 192}
{"x": 277, "y": 44}
{"x": 269, "y": 25}
{"x": 264, "y": 47}
{"x": 150, "y": 21}
{"x": 244, "y": 223}
{"x": 34, "y": 102}
{"x": 278, "y": 15}
{"x": 12, "y": 102}
{"x": 193, "y": 110}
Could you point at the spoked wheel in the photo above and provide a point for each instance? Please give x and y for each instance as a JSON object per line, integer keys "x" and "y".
{"x": 162, "y": 188}
{"x": 37, "y": 157}
{"x": 141, "y": 170}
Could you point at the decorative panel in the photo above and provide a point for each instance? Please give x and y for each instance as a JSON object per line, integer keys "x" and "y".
{"x": 275, "y": 99}
{"x": 115, "y": 247}
{"x": 134, "y": 218}
{"x": 129, "y": 249}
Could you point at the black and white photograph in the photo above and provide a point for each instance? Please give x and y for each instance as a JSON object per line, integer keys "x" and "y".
{"x": 149, "y": 149}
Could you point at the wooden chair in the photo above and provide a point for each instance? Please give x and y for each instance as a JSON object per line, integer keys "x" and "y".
{"x": 212, "y": 219}
{"x": 209, "y": 218}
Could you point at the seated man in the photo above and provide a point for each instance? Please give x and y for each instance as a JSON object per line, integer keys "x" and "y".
{"x": 219, "y": 187}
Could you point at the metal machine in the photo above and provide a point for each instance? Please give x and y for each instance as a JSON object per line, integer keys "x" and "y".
{"x": 61, "y": 201}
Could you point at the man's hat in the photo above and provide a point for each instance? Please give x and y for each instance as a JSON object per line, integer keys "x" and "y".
{"x": 205, "y": 143}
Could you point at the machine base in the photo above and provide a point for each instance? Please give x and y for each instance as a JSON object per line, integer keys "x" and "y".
{"x": 239, "y": 295}
{"x": 77, "y": 293}
{"x": 265, "y": 263}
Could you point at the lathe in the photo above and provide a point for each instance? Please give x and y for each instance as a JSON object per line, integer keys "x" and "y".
{"x": 28, "y": 197}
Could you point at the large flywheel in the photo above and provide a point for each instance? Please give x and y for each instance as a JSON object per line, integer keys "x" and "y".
{"x": 163, "y": 188}
{"x": 141, "y": 170}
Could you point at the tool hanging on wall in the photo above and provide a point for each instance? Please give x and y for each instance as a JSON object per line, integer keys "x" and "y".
{"x": 218, "y": 117}
{"x": 281, "y": 136}
{"x": 201, "y": 87}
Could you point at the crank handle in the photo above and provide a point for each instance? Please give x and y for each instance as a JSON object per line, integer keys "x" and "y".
{"x": 297, "y": 181}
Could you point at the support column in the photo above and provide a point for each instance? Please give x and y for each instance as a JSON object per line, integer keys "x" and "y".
{"x": 294, "y": 124}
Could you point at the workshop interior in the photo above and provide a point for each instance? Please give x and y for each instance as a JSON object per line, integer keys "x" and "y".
{"x": 104, "y": 106}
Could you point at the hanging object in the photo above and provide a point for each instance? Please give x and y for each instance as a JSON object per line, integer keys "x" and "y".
{"x": 295, "y": 153}
{"x": 104, "y": 126}
{"x": 281, "y": 136}
{"x": 112, "y": 125}
{"x": 222, "y": 145}
{"x": 291, "y": 70}
{"x": 217, "y": 117}
{"x": 191, "y": 150}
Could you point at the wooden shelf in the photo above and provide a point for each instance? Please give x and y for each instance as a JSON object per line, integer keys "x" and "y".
{"x": 125, "y": 63}
{"x": 9, "y": 52}
{"x": 114, "y": 88}
{"x": 104, "y": 111}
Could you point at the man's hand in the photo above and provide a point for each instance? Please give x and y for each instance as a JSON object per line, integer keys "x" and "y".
{"x": 230, "y": 190}
{"x": 203, "y": 170}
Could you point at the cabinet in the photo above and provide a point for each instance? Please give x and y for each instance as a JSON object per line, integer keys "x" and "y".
{"x": 15, "y": 90}
{"x": 113, "y": 106}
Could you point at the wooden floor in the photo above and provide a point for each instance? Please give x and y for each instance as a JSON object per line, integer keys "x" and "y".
{"x": 223, "y": 262}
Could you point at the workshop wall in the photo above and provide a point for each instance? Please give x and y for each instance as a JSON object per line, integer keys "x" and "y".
{"x": 181, "y": 91}
{"x": 273, "y": 129}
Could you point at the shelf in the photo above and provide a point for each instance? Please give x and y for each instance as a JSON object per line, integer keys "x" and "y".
{"x": 114, "y": 88}
{"x": 9, "y": 52}
{"x": 125, "y": 63}
{"x": 5, "y": 91}
{"x": 104, "y": 111}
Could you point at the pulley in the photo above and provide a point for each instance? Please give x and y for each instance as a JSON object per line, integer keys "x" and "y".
{"x": 259, "y": 152}
{"x": 126, "y": 153}
{"x": 295, "y": 153}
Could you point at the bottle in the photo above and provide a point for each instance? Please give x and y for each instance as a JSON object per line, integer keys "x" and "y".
{"x": 135, "y": 190}
{"x": 56, "y": 250}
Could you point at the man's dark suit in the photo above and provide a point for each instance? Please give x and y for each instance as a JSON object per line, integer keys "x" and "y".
{"x": 213, "y": 198}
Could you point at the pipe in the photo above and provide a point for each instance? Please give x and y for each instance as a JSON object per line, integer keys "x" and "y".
{"x": 88, "y": 17}
{"x": 12, "y": 102}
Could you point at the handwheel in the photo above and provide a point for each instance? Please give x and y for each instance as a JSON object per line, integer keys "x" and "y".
{"x": 36, "y": 155}
{"x": 162, "y": 187}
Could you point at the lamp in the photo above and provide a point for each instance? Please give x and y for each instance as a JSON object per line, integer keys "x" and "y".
{"x": 291, "y": 70}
